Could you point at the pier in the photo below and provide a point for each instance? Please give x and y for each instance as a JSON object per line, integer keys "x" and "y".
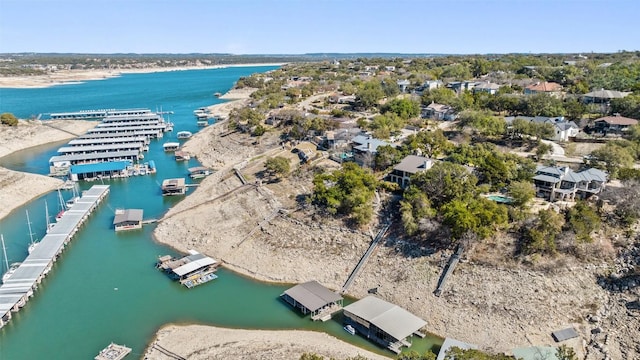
{"x": 364, "y": 258}
{"x": 17, "y": 290}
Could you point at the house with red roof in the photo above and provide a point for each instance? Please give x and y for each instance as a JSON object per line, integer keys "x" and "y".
{"x": 613, "y": 124}
{"x": 545, "y": 87}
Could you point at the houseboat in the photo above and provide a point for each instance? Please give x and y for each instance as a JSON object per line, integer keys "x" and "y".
{"x": 171, "y": 146}
{"x": 184, "y": 134}
{"x": 128, "y": 219}
{"x": 192, "y": 270}
{"x": 173, "y": 187}
{"x": 182, "y": 156}
{"x": 199, "y": 172}
{"x": 203, "y": 122}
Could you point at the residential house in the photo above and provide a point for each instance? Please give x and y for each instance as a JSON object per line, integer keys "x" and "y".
{"x": 402, "y": 84}
{"x": 390, "y": 68}
{"x": 364, "y": 148}
{"x": 545, "y": 87}
{"x": 460, "y": 86}
{"x": 613, "y": 124}
{"x": 602, "y": 96}
{"x": 563, "y": 184}
{"x": 439, "y": 112}
{"x": 408, "y": 167}
{"x": 432, "y": 84}
{"x": 563, "y": 130}
{"x": 487, "y": 87}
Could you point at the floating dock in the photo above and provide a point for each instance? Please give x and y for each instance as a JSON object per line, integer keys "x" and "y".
{"x": 17, "y": 290}
{"x": 113, "y": 352}
{"x": 192, "y": 270}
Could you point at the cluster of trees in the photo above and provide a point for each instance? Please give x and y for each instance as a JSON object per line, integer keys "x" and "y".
{"x": 348, "y": 191}
{"x": 541, "y": 233}
{"x": 8, "y": 119}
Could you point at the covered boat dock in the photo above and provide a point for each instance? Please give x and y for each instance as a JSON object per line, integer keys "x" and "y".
{"x": 106, "y": 169}
{"x": 382, "y": 322}
{"x": 173, "y": 187}
{"x": 128, "y": 219}
{"x": 311, "y": 297}
{"x": 191, "y": 270}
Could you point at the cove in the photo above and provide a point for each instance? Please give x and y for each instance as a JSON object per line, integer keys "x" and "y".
{"x": 104, "y": 287}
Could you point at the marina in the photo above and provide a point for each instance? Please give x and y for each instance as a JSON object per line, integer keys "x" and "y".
{"x": 96, "y": 114}
{"x": 20, "y": 286}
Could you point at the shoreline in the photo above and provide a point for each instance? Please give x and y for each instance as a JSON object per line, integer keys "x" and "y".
{"x": 19, "y": 188}
{"x": 70, "y": 77}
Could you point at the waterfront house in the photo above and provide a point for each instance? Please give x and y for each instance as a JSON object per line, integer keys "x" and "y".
{"x": 128, "y": 219}
{"x": 382, "y": 322}
{"x": 439, "y": 112}
{"x": 313, "y": 298}
{"x": 613, "y": 124}
{"x": 409, "y": 166}
{"x": 364, "y": 148}
{"x": 544, "y": 87}
{"x": 563, "y": 184}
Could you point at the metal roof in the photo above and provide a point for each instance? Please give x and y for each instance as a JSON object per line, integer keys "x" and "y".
{"x": 109, "y": 139}
{"x": 25, "y": 276}
{"x": 606, "y": 94}
{"x": 564, "y": 334}
{"x": 617, "y": 120}
{"x": 101, "y": 147}
{"x": 198, "y": 262}
{"x": 127, "y": 215}
{"x": 413, "y": 163}
{"x": 96, "y": 156}
{"x": 312, "y": 295}
{"x": 100, "y": 167}
{"x": 546, "y": 178}
{"x": 390, "y": 318}
{"x": 449, "y": 343}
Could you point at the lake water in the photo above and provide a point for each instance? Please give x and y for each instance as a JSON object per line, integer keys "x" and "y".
{"x": 104, "y": 287}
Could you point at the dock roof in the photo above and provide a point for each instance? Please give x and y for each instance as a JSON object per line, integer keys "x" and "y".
{"x": 99, "y": 167}
{"x": 101, "y": 147}
{"x": 96, "y": 156}
{"x": 196, "y": 262}
{"x": 312, "y": 295}
{"x": 388, "y": 317}
{"x": 109, "y": 139}
{"x": 127, "y": 215}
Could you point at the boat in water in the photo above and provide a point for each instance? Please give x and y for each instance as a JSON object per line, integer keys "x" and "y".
{"x": 10, "y": 268}
{"x": 350, "y": 329}
{"x": 33, "y": 243}
{"x": 171, "y": 146}
{"x": 184, "y": 134}
{"x": 113, "y": 352}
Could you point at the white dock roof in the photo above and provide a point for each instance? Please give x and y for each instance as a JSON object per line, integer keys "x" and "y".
{"x": 198, "y": 262}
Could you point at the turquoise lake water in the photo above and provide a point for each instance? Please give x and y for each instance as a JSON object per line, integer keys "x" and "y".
{"x": 104, "y": 287}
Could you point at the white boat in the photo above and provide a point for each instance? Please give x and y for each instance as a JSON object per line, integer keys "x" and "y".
{"x": 50, "y": 225}
{"x": 184, "y": 134}
{"x": 350, "y": 329}
{"x": 32, "y": 244}
{"x": 10, "y": 268}
{"x": 171, "y": 146}
{"x": 74, "y": 198}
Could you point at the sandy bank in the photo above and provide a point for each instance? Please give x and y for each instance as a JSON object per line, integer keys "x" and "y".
{"x": 17, "y": 188}
{"x": 195, "y": 342}
{"x": 63, "y": 77}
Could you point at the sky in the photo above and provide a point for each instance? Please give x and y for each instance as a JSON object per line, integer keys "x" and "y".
{"x": 319, "y": 26}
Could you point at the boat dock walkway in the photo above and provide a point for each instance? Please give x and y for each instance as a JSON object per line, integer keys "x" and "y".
{"x": 15, "y": 292}
{"x": 364, "y": 258}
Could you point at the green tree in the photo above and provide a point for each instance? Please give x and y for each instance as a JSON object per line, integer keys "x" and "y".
{"x": 439, "y": 96}
{"x": 476, "y": 215}
{"x": 543, "y": 149}
{"x": 414, "y": 206}
{"x": 414, "y": 355}
{"x": 277, "y": 166}
{"x": 444, "y": 182}
{"x": 387, "y": 156}
{"x": 565, "y": 352}
{"x": 404, "y": 108}
{"x": 483, "y": 122}
{"x": 521, "y": 192}
{"x": 8, "y": 119}
{"x": 455, "y": 353}
{"x": 611, "y": 157}
{"x": 574, "y": 109}
{"x": 259, "y": 130}
{"x": 583, "y": 220}
{"x": 369, "y": 94}
{"x": 540, "y": 235}
{"x": 544, "y": 105}
{"x": 430, "y": 143}
{"x": 348, "y": 191}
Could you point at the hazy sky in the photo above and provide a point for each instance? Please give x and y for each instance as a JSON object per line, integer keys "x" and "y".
{"x": 304, "y": 26}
